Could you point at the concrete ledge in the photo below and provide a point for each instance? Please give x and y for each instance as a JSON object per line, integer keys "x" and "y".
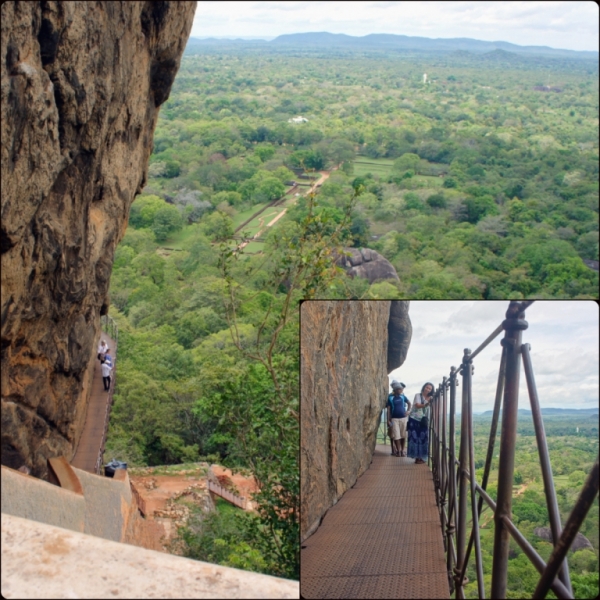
{"x": 32, "y": 498}
{"x": 108, "y": 504}
{"x": 43, "y": 561}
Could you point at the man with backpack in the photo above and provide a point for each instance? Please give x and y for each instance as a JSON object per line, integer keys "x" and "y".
{"x": 398, "y": 406}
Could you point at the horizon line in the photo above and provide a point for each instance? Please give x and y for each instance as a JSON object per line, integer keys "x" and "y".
{"x": 271, "y": 38}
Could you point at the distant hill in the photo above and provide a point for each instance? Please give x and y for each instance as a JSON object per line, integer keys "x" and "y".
{"x": 404, "y": 42}
{"x": 550, "y": 411}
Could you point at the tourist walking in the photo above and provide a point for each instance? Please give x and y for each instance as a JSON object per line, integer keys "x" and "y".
{"x": 106, "y": 369}
{"x": 102, "y": 348}
{"x": 418, "y": 425}
{"x": 397, "y": 407}
{"x": 108, "y": 358}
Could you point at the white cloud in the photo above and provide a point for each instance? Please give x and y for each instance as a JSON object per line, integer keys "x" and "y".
{"x": 571, "y": 25}
{"x": 563, "y": 336}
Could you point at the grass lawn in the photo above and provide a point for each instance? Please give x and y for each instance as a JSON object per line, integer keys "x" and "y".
{"x": 380, "y": 167}
{"x": 246, "y": 214}
{"x": 181, "y": 239}
{"x": 254, "y": 247}
{"x": 250, "y": 229}
{"x": 225, "y": 507}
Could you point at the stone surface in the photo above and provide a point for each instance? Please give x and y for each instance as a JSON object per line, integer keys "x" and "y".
{"x": 344, "y": 384}
{"x": 105, "y": 509}
{"x": 108, "y": 505}
{"x": 368, "y": 264}
{"x": 81, "y": 86}
{"x": 28, "y": 497}
{"x": 579, "y": 543}
{"x": 42, "y": 561}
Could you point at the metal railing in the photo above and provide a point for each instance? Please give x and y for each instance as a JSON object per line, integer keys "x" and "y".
{"x": 109, "y": 326}
{"x": 453, "y": 477}
{"x": 238, "y": 501}
{"x": 382, "y": 430}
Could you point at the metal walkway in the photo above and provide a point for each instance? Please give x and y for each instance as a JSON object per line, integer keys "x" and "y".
{"x": 381, "y": 540}
{"x": 92, "y": 437}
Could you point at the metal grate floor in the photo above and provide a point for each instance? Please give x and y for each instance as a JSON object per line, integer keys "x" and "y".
{"x": 381, "y": 540}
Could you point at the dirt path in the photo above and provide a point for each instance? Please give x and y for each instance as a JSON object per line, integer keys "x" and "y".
{"x": 277, "y": 218}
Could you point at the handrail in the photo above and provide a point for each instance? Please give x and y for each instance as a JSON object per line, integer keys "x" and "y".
{"x": 110, "y": 327}
{"x": 453, "y": 477}
{"x": 383, "y": 428}
{"x": 218, "y": 489}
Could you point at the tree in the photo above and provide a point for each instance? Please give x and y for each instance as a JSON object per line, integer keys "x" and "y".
{"x": 167, "y": 220}
{"x": 413, "y": 201}
{"x": 406, "y": 162}
{"x": 477, "y": 208}
{"x": 437, "y": 201}
{"x": 269, "y": 189}
{"x": 584, "y": 561}
{"x": 339, "y": 151}
{"x": 218, "y": 226}
{"x": 264, "y": 152}
{"x": 172, "y": 169}
{"x": 143, "y": 210}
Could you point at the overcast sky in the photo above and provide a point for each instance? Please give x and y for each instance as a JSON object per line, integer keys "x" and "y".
{"x": 571, "y": 25}
{"x": 564, "y": 349}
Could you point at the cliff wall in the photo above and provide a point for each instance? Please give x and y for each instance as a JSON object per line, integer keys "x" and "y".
{"x": 347, "y": 349}
{"x": 82, "y": 83}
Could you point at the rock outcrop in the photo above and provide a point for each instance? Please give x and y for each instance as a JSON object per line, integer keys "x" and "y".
{"x": 579, "y": 543}
{"x": 82, "y": 83}
{"x": 345, "y": 358}
{"x": 368, "y": 264}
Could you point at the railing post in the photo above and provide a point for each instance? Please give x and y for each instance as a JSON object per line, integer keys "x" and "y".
{"x": 443, "y": 464}
{"x": 492, "y": 440}
{"x": 451, "y": 526}
{"x": 513, "y": 325}
{"x": 474, "y": 514}
{"x": 540, "y": 435}
{"x": 462, "y": 481}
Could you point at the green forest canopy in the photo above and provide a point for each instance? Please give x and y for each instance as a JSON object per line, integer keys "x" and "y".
{"x": 474, "y": 185}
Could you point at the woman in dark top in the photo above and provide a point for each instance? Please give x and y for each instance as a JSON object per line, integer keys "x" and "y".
{"x": 418, "y": 431}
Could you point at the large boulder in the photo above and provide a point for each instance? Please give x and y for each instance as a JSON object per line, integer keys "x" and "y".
{"x": 82, "y": 83}
{"x": 366, "y": 263}
{"x": 579, "y": 543}
{"x": 399, "y": 334}
{"x": 344, "y": 365}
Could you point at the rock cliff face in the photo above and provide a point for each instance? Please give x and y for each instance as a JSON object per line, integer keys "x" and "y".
{"x": 81, "y": 86}
{"x": 347, "y": 349}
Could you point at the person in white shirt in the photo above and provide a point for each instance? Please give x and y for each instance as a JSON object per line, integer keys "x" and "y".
{"x": 106, "y": 369}
{"x": 102, "y": 348}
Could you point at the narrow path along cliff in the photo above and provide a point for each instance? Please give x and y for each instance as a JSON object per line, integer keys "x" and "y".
{"x": 92, "y": 438}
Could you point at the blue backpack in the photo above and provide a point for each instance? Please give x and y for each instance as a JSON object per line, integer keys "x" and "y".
{"x": 390, "y": 402}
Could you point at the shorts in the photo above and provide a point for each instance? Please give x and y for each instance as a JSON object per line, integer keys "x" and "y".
{"x": 399, "y": 428}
